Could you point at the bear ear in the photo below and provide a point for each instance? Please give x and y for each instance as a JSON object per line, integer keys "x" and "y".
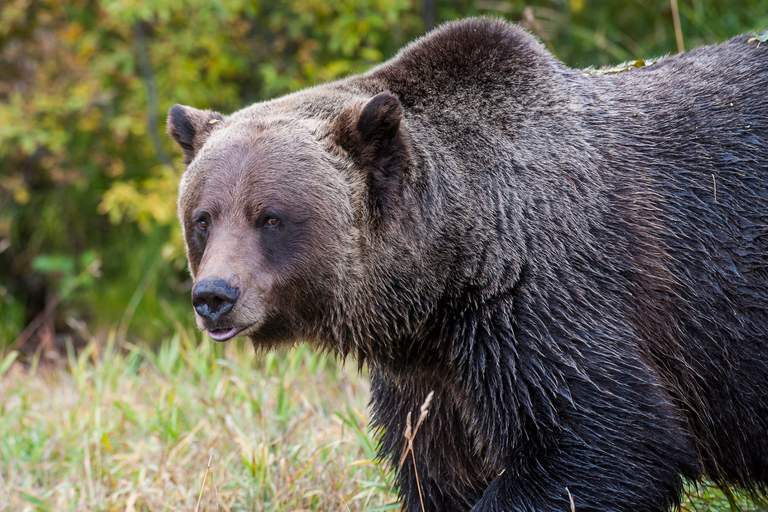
{"x": 380, "y": 118}
{"x": 371, "y": 134}
{"x": 189, "y": 127}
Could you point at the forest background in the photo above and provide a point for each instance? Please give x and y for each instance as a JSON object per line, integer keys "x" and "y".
{"x": 88, "y": 234}
{"x": 109, "y": 397}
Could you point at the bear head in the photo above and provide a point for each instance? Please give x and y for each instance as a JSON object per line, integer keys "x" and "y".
{"x": 279, "y": 204}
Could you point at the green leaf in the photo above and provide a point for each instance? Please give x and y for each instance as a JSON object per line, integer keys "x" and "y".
{"x": 54, "y": 263}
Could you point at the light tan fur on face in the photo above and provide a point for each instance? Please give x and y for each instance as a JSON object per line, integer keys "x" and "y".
{"x": 224, "y": 258}
{"x": 250, "y": 165}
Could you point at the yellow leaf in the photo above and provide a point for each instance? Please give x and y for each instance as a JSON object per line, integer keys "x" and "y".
{"x": 72, "y": 32}
{"x": 21, "y": 195}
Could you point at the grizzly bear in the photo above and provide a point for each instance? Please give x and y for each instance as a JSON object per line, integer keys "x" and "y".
{"x": 576, "y": 264}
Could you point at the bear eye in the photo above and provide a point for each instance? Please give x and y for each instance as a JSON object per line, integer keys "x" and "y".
{"x": 203, "y": 223}
{"x": 271, "y": 218}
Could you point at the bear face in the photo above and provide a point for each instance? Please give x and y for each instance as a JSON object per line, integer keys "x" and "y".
{"x": 267, "y": 218}
{"x": 271, "y": 209}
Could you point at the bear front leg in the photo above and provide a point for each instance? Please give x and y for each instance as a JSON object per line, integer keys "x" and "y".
{"x": 613, "y": 456}
{"x": 442, "y": 474}
{"x": 577, "y": 481}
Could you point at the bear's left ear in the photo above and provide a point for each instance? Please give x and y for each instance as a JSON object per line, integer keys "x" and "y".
{"x": 371, "y": 134}
{"x": 189, "y": 127}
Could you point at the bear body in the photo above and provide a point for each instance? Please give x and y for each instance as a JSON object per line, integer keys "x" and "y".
{"x": 576, "y": 265}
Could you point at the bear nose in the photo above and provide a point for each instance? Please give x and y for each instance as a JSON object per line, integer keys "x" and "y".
{"x": 214, "y": 298}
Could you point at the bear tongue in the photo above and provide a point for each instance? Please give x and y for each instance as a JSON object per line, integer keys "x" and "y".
{"x": 223, "y": 334}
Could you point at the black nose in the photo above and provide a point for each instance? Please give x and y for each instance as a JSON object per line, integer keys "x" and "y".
{"x": 214, "y": 298}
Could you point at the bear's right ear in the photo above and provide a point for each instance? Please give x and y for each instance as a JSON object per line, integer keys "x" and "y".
{"x": 189, "y": 127}
{"x": 370, "y": 133}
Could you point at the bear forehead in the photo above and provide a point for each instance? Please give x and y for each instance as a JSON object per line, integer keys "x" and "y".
{"x": 243, "y": 140}
{"x": 251, "y": 161}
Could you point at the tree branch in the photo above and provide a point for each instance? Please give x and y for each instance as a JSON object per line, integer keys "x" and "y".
{"x": 148, "y": 76}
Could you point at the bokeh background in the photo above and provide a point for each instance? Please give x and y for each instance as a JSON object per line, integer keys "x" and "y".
{"x": 89, "y": 243}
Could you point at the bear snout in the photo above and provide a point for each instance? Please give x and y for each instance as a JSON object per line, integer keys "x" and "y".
{"x": 213, "y": 299}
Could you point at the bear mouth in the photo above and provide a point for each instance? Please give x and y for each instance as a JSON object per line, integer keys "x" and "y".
{"x": 224, "y": 334}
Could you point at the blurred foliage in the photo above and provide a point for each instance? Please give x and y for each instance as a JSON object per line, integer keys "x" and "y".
{"x": 88, "y": 177}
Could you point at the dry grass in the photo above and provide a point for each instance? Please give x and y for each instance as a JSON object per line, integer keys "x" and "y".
{"x": 192, "y": 426}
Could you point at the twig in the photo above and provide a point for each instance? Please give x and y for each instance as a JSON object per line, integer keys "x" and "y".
{"x": 148, "y": 76}
{"x": 410, "y": 435}
{"x": 344, "y": 501}
{"x": 202, "y": 487}
{"x": 531, "y": 23}
{"x": 37, "y": 322}
{"x": 573, "y": 505}
{"x": 678, "y": 29}
{"x": 50, "y": 306}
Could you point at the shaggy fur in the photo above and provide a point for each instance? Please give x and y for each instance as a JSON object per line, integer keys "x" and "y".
{"x": 576, "y": 265}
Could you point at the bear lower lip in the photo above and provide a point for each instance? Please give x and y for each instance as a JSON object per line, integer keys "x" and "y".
{"x": 223, "y": 334}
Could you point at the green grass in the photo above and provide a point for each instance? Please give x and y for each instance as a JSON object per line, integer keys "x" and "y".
{"x": 197, "y": 426}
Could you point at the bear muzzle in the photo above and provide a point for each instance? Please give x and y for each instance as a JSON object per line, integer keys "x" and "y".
{"x": 213, "y": 299}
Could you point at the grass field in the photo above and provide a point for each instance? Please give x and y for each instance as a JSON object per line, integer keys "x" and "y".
{"x": 135, "y": 429}
{"x": 197, "y": 426}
